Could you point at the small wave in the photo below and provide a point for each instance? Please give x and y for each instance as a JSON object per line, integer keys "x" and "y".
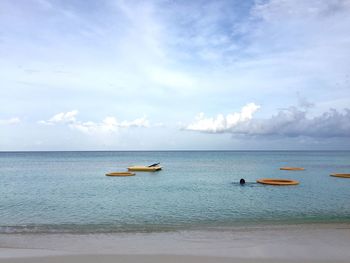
{"x": 159, "y": 228}
{"x": 247, "y": 184}
{"x": 85, "y": 229}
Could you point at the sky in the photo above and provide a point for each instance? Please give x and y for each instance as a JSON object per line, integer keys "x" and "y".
{"x": 174, "y": 75}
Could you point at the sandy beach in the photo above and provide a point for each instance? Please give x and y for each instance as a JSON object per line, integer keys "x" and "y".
{"x": 288, "y": 243}
{"x": 148, "y": 259}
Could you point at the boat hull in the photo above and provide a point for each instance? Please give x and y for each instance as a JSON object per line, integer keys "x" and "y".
{"x": 341, "y": 175}
{"x": 144, "y": 168}
{"x": 292, "y": 168}
{"x": 120, "y": 174}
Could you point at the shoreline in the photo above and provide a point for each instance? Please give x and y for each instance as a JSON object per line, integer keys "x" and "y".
{"x": 297, "y": 243}
{"x": 152, "y": 259}
{"x": 149, "y": 229}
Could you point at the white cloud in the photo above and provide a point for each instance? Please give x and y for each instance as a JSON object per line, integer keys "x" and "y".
{"x": 290, "y": 122}
{"x": 223, "y": 123}
{"x": 140, "y": 122}
{"x": 62, "y": 117}
{"x": 11, "y": 121}
{"x": 107, "y": 125}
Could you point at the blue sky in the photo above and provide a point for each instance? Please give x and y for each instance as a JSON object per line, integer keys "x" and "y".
{"x": 172, "y": 75}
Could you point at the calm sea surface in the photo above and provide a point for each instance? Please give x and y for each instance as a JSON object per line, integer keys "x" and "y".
{"x": 69, "y": 192}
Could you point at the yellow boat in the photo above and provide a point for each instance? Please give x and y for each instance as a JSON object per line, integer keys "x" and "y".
{"x": 341, "y": 175}
{"x": 120, "y": 174}
{"x": 292, "y": 168}
{"x": 277, "y": 181}
{"x": 145, "y": 168}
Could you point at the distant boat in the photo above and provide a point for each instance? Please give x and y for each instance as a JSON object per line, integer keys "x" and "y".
{"x": 145, "y": 168}
{"x": 292, "y": 168}
{"x": 341, "y": 175}
{"x": 120, "y": 174}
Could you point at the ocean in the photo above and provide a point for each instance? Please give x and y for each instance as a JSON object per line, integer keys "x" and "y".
{"x": 68, "y": 192}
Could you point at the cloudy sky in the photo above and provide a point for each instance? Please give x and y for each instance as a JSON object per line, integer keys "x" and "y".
{"x": 172, "y": 75}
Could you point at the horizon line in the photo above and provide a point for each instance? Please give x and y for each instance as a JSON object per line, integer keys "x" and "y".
{"x": 284, "y": 150}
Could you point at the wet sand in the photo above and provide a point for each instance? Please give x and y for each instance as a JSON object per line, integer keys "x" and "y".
{"x": 289, "y": 243}
{"x": 149, "y": 259}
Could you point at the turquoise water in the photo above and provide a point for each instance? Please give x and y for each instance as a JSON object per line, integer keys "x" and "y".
{"x": 68, "y": 191}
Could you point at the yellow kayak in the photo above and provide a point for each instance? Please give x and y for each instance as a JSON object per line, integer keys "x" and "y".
{"x": 120, "y": 174}
{"x": 341, "y": 175}
{"x": 292, "y": 168}
{"x": 144, "y": 168}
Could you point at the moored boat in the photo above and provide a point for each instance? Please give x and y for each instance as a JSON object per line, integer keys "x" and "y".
{"x": 145, "y": 168}
{"x": 292, "y": 168}
{"x": 341, "y": 175}
{"x": 120, "y": 174}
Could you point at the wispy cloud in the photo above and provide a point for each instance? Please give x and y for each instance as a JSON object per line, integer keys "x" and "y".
{"x": 107, "y": 125}
{"x": 11, "y": 121}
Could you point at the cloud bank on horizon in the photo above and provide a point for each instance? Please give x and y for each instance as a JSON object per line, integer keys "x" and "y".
{"x": 289, "y": 122}
{"x": 170, "y": 60}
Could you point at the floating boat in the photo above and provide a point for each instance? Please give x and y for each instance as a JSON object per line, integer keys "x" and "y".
{"x": 341, "y": 175}
{"x": 120, "y": 174}
{"x": 272, "y": 181}
{"x": 292, "y": 168}
{"x": 145, "y": 168}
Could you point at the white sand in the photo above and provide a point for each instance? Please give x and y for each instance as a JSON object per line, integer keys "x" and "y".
{"x": 305, "y": 243}
{"x": 149, "y": 259}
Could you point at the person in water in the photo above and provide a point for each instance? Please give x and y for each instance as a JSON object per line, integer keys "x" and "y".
{"x": 242, "y": 181}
